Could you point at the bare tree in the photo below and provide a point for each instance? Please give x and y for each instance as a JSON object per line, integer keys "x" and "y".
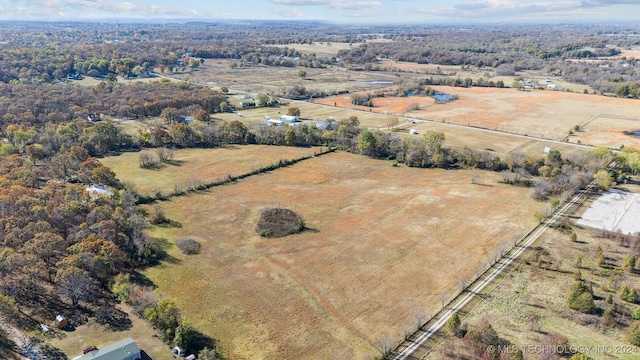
{"x": 384, "y": 344}
{"x": 165, "y": 154}
{"x": 462, "y": 283}
{"x": 443, "y": 300}
{"x": 406, "y": 332}
{"x": 419, "y": 318}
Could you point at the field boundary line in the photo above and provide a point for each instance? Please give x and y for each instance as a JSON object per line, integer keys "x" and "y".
{"x": 229, "y": 178}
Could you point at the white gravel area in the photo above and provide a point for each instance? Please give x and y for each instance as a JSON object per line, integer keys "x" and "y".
{"x": 614, "y": 210}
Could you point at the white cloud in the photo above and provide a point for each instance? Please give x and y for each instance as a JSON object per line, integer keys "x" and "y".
{"x": 289, "y": 13}
{"x": 356, "y": 5}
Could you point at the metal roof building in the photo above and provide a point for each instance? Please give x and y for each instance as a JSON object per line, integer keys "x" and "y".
{"x": 126, "y": 349}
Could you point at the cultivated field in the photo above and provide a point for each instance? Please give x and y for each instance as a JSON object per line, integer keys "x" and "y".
{"x": 203, "y": 165}
{"x": 539, "y": 113}
{"x": 383, "y": 243}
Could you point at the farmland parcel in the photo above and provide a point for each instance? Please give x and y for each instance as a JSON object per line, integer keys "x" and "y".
{"x": 384, "y": 243}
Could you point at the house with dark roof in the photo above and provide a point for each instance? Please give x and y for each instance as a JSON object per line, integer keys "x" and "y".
{"x": 126, "y": 349}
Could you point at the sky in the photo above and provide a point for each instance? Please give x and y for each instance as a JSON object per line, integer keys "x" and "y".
{"x": 336, "y": 11}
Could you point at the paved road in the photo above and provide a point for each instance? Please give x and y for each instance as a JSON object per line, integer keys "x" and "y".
{"x": 410, "y": 346}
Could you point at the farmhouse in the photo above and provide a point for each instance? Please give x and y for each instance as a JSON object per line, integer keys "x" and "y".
{"x": 126, "y": 349}
{"x": 289, "y": 119}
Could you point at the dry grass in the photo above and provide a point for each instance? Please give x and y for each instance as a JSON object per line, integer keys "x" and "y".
{"x": 198, "y": 165}
{"x": 539, "y": 113}
{"x": 385, "y": 242}
{"x": 531, "y": 301}
{"x": 321, "y": 49}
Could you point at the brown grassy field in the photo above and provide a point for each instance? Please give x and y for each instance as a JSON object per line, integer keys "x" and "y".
{"x": 384, "y": 243}
{"x": 547, "y": 114}
{"x": 263, "y": 79}
{"x": 204, "y": 165}
{"x": 531, "y": 301}
{"x": 321, "y": 48}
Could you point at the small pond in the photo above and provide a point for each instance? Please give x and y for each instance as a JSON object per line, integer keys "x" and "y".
{"x": 443, "y": 97}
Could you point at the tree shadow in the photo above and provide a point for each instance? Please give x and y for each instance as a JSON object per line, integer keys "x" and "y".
{"x": 7, "y": 346}
{"x": 113, "y": 318}
{"x": 201, "y": 341}
{"x": 141, "y": 279}
{"x": 174, "y": 162}
{"x": 49, "y": 352}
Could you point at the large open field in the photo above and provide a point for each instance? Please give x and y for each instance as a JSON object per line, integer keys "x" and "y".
{"x": 539, "y": 113}
{"x": 384, "y": 243}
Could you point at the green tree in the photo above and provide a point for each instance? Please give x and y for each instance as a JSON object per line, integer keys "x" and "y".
{"x": 629, "y": 295}
{"x": 293, "y": 111}
{"x": 434, "y": 140}
{"x": 633, "y": 333}
{"x": 165, "y": 317}
{"x": 8, "y": 307}
{"x": 630, "y": 262}
{"x": 121, "y": 287}
{"x": 603, "y": 179}
{"x": 290, "y": 137}
{"x": 581, "y": 297}
{"x": 185, "y": 335}
{"x": 263, "y": 100}
{"x": 454, "y": 323}
{"x": 367, "y": 143}
{"x": 554, "y": 158}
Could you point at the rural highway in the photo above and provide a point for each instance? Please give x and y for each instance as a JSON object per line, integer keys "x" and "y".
{"x": 410, "y": 346}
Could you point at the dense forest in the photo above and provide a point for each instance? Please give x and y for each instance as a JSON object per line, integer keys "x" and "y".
{"x": 48, "y": 53}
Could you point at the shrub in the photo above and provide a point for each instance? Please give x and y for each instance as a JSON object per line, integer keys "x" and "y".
{"x": 278, "y": 222}
{"x": 636, "y": 314}
{"x": 188, "y": 246}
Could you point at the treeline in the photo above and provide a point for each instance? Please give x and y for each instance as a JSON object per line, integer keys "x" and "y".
{"x": 554, "y": 175}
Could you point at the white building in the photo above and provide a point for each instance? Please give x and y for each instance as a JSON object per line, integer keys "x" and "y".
{"x": 289, "y": 118}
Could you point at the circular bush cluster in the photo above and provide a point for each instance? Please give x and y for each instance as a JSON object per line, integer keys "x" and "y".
{"x": 188, "y": 246}
{"x": 277, "y": 222}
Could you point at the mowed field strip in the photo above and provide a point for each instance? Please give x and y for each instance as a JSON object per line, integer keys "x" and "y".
{"x": 385, "y": 242}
